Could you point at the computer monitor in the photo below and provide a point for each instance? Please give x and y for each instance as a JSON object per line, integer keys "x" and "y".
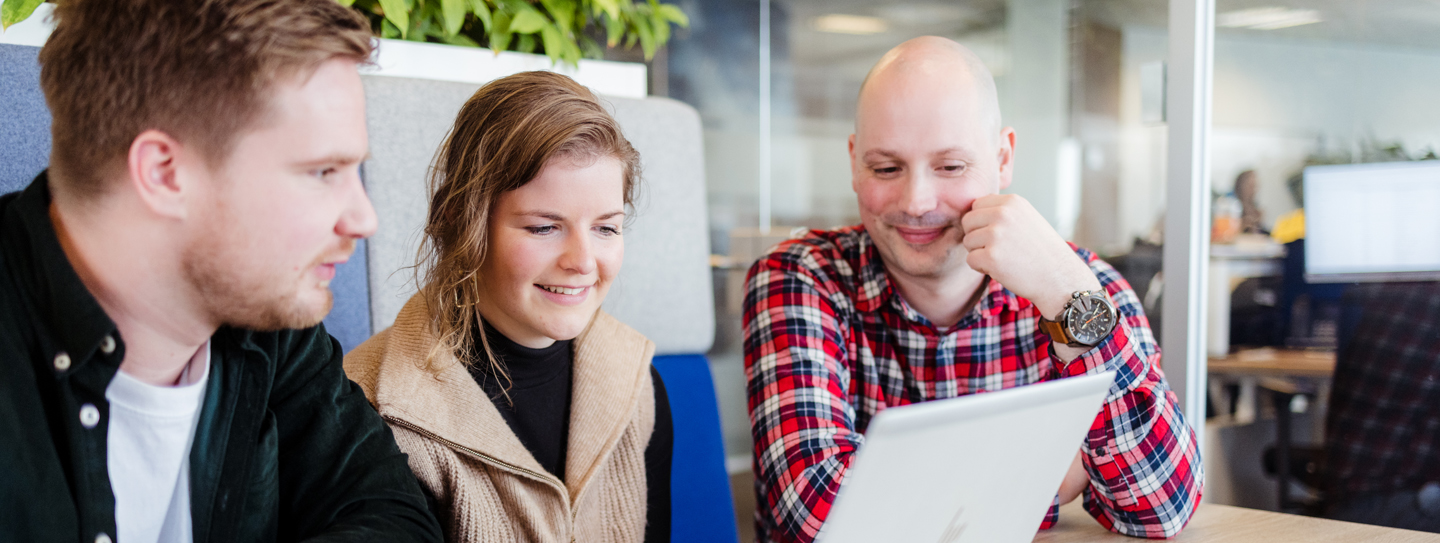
{"x": 1372, "y": 222}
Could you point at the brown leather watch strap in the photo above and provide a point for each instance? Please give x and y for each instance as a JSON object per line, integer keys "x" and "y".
{"x": 1056, "y": 331}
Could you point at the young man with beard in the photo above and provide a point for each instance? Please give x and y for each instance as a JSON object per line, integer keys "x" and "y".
{"x": 163, "y": 376}
{"x": 948, "y": 288}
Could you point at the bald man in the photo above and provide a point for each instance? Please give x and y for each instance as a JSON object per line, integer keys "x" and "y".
{"x": 948, "y": 288}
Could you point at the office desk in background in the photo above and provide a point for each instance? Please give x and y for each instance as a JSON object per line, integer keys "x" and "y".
{"x": 1215, "y": 523}
{"x": 1268, "y": 362}
{"x": 1286, "y": 374}
{"x": 1290, "y": 371}
{"x": 1252, "y": 255}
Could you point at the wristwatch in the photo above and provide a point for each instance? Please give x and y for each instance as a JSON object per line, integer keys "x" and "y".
{"x": 1088, "y": 318}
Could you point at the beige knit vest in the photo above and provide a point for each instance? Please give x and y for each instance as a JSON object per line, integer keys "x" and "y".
{"x": 487, "y": 485}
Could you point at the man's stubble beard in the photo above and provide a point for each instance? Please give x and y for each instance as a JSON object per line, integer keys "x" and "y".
{"x": 268, "y": 302}
{"x": 900, "y": 256}
{"x": 263, "y": 306}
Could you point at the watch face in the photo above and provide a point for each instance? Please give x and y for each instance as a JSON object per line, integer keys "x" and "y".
{"x": 1090, "y": 319}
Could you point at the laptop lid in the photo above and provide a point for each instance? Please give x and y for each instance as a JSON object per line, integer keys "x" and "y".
{"x": 978, "y": 468}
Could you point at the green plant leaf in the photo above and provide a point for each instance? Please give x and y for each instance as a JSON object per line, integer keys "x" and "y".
{"x": 346, "y": 3}
{"x": 661, "y": 26}
{"x": 563, "y": 12}
{"x": 554, "y": 43}
{"x": 396, "y": 13}
{"x": 461, "y": 39}
{"x": 14, "y": 11}
{"x": 388, "y": 30}
{"x": 421, "y": 17}
{"x": 525, "y": 43}
{"x": 482, "y": 10}
{"x": 500, "y": 33}
{"x": 610, "y": 7}
{"x": 646, "y": 35}
{"x": 572, "y": 53}
{"x": 454, "y": 15}
{"x": 589, "y": 48}
{"x": 528, "y": 22}
{"x": 614, "y": 30}
{"x": 674, "y": 15}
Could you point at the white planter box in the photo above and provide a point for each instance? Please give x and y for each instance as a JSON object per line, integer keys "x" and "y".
{"x": 398, "y": 58}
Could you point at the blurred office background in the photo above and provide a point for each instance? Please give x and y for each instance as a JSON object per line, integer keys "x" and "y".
{"x": 1296, "y": 83}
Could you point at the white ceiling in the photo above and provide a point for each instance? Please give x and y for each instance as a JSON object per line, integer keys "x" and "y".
{"x": 822, "y": 61}
{"x": 1407, "y": 23}
{"x": 1404, "y": 23}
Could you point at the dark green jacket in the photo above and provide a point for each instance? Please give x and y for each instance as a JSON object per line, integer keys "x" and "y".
{"x": 286, "y": 448}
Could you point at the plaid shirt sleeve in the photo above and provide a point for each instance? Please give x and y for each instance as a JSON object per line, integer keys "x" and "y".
{"x": 1145, "y": 471}
{"x": 803, "y": 425}
{"x": 1140, "y": 453}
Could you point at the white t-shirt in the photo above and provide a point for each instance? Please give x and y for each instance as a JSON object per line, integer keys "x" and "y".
{"x": 148, "y": 453}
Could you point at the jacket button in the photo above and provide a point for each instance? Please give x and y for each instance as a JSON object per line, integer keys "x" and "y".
{"x": 62, "y": 361}
{"x": 89, "y": 417}
{"x": 107, "y": 344}
{"x": 103, "y": 537}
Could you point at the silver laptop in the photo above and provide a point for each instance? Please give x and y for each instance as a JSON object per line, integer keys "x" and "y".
{"x": 979, "y": 468}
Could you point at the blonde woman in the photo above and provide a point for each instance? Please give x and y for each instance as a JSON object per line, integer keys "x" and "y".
{"x": 529, "y": 414}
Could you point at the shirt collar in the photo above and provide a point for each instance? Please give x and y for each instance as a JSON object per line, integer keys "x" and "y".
{"x": 31, "y": 249}
{"x": 876, "y": 291}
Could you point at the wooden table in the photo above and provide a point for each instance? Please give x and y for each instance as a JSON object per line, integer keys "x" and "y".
{"x": 1223, "y": 523}
{"x": 1269, "y": 362}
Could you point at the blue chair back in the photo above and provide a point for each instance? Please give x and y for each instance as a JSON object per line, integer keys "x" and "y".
{"x": 25, "y": 152}
{"x": 25, "y": 132}
{"x": 702, "y": 508}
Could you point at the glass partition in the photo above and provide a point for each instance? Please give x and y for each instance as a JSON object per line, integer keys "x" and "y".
{"x": 1320, "y": 102}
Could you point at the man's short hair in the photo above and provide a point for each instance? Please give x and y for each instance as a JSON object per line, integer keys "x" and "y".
{"x": 198, "y": 70}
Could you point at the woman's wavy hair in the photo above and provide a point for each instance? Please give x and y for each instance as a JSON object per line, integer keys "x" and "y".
{"x": 503, "y": 137}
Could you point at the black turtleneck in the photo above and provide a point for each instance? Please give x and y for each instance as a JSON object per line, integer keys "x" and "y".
{"x": 535, "y": 402}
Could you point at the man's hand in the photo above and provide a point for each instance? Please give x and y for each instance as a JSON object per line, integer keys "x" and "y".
{"x": 1009, "y": 241}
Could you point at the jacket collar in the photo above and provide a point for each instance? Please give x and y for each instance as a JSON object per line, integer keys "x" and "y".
{"x": 610, "y": 362}
{"x": 71, "y": 315}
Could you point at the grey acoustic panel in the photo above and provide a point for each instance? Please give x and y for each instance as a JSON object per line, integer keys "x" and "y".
{"x": 664, "y": 287}
{"x": 407, "y": 120}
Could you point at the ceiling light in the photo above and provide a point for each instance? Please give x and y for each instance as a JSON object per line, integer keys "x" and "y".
{"x": 1270, "y": 18}
{"x": 850, "y": 24}
{"x": 913, "y": 14}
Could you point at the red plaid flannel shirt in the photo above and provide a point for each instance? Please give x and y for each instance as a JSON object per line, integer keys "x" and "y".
{"x": 829, "y": 343}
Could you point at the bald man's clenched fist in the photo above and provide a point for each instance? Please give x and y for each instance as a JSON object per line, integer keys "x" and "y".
{"x": 1011, "y": 242}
